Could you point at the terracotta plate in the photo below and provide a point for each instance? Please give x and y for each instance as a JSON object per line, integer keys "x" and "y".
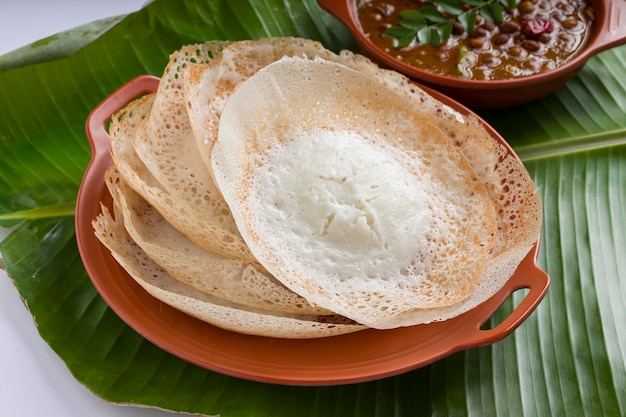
{"x": 356, "y": 357}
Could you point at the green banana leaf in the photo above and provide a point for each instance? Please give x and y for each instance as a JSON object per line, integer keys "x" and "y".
{"x": 567, "y": 359}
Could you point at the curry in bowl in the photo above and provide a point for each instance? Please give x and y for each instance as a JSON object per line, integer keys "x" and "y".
{"x": 479, "y": 39}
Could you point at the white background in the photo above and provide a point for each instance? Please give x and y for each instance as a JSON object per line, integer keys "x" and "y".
{"x": 33, "y": 380}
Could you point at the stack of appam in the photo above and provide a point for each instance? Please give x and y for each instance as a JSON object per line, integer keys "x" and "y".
{"x": 275, "y": 188}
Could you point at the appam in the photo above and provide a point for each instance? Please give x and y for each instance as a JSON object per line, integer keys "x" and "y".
{"x": 349, "y": 196}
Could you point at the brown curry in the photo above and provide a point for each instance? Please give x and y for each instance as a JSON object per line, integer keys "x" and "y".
{"x": 536, "y": 36}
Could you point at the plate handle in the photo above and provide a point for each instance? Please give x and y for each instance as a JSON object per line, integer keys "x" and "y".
{"x": 613, "y": 27}
{"x": 528, "y": 276}
{"x": 100, "y": 144}
{"x": 96, "y": 122}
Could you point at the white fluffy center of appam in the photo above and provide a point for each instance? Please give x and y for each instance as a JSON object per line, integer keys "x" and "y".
{"x": 346, "y": 206}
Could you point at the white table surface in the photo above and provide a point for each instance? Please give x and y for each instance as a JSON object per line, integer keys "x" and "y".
{"x": 33, "y": 380}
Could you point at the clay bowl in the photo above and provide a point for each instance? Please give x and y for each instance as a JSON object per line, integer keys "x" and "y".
{"x": 609, "y": 30}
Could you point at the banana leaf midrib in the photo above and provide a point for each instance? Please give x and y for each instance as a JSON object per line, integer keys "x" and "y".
{"x": 573, "y": 145}
{"x": 52, "y": 211}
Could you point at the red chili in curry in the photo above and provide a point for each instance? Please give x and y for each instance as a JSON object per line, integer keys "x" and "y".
{"x": 536, "y": 36}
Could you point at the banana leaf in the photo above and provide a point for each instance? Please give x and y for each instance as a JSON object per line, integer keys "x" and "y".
{"x": 567, "y": 359}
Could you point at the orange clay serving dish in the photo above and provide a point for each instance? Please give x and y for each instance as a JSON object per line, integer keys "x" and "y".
{"x": 365, "y": 355}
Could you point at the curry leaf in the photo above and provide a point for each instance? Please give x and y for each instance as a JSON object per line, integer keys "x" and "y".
{"x": 567, "y": 359}
{"x": 429, "y": 35}
{"x": 511, "y": 4}
{"x": 468, "y": 20}
{"x": 412, "y": 19}
{"x": 432, "y": 14}
{"x": 402, "y": 35}
{"x": 445, "y": 30}
{"x": 492, "y": 12}
{"x": 453, "y": 7}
